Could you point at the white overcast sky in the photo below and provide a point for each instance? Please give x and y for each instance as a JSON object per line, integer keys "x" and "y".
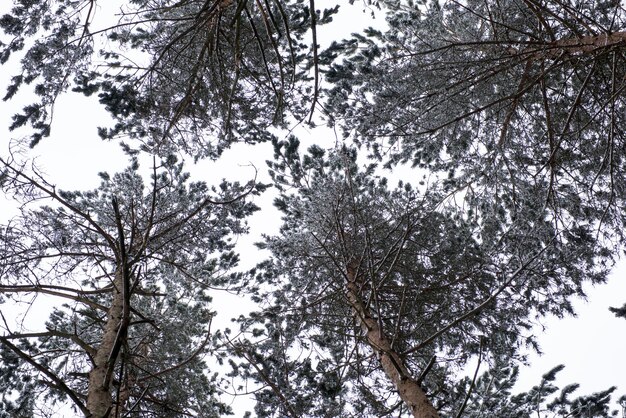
{"x": 592, "y": 346}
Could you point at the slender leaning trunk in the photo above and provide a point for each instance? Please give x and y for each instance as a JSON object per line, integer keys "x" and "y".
{"x": 392, "y": 364}
{"x": 99, "y": 398}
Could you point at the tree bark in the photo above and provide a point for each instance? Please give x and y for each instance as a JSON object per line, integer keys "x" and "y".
{"x": 391, "y": 362}
{"x": 591, "y": 43}
{"x": 99, "y": 397}
{"x": 573, "y": 46}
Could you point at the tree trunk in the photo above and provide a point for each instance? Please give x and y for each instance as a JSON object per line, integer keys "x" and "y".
{"x": 393, "y": 366}
{"x": 573, "y": 46}
{"x": 591, "y": 43}
{"x": 99, "y": 397}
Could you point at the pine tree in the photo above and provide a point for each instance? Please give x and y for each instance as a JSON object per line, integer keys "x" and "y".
{"x": 131, "y": 266}
{"x": 376, "y": 295}
{"x": 176, "y": 75}
{"x": 495, "y": 94}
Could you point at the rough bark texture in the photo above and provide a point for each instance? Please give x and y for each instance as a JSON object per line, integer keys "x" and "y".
{"x": 392, "y": 364}
{"x": 591, "y": 43}
{"x": 99, "y": 398}
{"x": 573, "y": 46}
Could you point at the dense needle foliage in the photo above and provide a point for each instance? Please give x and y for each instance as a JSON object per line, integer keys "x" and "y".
{"x": 174, "y": 238}
{"x": 443, "y": 287}
{"x": 508, "y": 116}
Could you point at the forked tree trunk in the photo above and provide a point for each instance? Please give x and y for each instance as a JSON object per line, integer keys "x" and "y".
{"x": 99, "y": 397}
{"x": 392, "y": 364}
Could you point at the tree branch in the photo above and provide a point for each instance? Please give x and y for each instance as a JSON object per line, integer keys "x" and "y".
{"x": 45, "y": 370}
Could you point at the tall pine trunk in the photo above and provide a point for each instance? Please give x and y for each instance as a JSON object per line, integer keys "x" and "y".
{"x": 390, "y": 361}
{"x": 99, "y": 397}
